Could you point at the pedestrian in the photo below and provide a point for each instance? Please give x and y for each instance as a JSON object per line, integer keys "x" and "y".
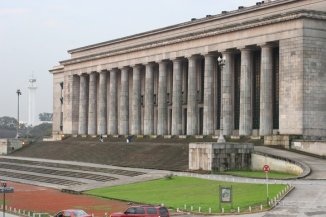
{"x": 101, "y": 138}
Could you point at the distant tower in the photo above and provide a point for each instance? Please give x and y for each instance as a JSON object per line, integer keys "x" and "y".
{"x": 31, "y": 101}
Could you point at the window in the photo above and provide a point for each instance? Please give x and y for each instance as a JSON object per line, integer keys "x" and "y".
{"x": 151, "y": 210}
{"x": 140, "y": 210}
{"x": 66, "y": 214}
{"x": 164, "y": 212}
{"x": 131, "y": 211}
{"x": 79, "y": 213}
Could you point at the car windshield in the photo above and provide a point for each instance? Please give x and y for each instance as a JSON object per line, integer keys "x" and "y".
{"x": 79, "y": 213}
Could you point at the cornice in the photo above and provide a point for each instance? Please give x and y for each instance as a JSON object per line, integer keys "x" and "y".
{"x": 208, "y": 18}
{"x": 212, "y": 32}
{"x": 56, "y": 69}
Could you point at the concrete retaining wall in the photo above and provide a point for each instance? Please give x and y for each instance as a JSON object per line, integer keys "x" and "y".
{"x": 200, "y": 156}
{"x": 9, "y": 145}
{"x": 279, "y": 165}
{"x": 313, "y": 147}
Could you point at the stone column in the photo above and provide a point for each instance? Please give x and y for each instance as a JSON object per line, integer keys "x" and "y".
{"x": 192, "y": 97}
{"x": 210, "y": 66}
{"x": 124, "y": 102}
{"x": 266, "y": 91}
{"x": 136, "y": 106}
{"x": 162, "y": 106}
{"x": 102, "y": 115}
{"x": 246, "y": 83}
{"x": 92, "y": 101}
{"x": 83, "y": 105}
{"x": 228, "y": 93}
{"x": 113, "y": 120}
{"x": 149, "y": 100}
{"x": 177, "y": 98}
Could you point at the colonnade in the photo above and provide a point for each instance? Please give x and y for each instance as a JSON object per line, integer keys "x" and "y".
{"x": 111, "y": 101}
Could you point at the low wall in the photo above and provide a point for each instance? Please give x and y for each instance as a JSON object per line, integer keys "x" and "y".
{"x": 200, "y": 156}
{"x": 313, "y": 147}
{"x": 9, "y": 145}
{"x": 279, "y": 165}
{"x": 3, "y": 146}
{"x": 283, "y": 140}
{"x": 219, "y": 156}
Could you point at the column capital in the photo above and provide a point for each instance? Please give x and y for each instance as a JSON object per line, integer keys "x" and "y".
{"x": 177, "y": 59}
{"x": 138, "y": 65}
{"x": 164, "y": 61}
{"x": 150, "y": 63}
{"x": 93, "y": 72}
{"x": 245, "y": 48}
{"x": 267, "y": 44}
{"x": 210, "y": 54}
{"x": 193, "y": 56}
{"x": 125, "y": 68}
{"x": 104, "y": 71}
{"x": 227, "y": 51}
{"x": 114, "y": 70}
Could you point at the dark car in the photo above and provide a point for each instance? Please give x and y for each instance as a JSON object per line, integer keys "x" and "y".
{"x": 143, "y": 211}
{"x": 72, "y": 213}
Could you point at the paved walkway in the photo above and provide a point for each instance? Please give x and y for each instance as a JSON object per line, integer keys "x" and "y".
{"x": 8, "y": 215}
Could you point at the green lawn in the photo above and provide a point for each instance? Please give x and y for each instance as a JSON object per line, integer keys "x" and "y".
{"x": 178, "y": 191}
{"x": 260, "y": 174}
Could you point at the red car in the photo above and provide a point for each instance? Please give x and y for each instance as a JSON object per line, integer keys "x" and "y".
{"x": 72, "y": 213}
{"x": 143, "y": 211}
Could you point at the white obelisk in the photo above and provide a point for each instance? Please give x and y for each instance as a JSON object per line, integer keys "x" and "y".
{"x": 31, "y": 101}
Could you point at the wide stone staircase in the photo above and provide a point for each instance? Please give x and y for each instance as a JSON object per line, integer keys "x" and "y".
{"x": 158, "y": 153}
{"x": 78, "y": 164}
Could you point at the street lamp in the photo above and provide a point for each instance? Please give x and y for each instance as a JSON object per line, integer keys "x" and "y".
{"x": 18, "y": 94}
{"x": 221, "y": 63}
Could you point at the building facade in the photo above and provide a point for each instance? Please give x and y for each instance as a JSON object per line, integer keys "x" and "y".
{"x": 168, "y": 81}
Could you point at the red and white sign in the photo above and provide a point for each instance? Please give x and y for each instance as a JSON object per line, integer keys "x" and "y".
{"x": 266, "y": 168}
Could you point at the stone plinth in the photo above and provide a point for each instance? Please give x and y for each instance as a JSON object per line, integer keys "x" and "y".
{"x": 8, "y": 146}
{"x": 219, "y": 156}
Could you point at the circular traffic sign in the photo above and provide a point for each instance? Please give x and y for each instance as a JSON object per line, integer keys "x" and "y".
{"x": 266, "y": 168}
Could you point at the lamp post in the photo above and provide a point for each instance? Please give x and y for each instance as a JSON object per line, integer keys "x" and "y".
{"x": 18, "y": 94}
{"x": 221, "y": 63}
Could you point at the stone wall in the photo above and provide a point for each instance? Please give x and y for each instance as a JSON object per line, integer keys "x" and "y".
{"x": 219, "y": 156}
{"x": 291, "y": 86}
{"x": 279, "y": 165}
{"x": 313, "y": 147}
{"x": 314, "y": 78}
{"x": 200, "y": 156}
{"x": 283, "y": 140}
{"x": 57, "y": 79}
{"x": 9, "y": 145}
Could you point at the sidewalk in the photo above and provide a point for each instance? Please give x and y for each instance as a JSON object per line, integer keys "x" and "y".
{"x": 8, "y": 215}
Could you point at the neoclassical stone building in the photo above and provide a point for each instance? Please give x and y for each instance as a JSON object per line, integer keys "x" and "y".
{"x": 168, "y": 81}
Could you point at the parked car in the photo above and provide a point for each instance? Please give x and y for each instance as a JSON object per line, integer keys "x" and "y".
{"x": 143, "y": 211}
{"x": 72, "y": 213}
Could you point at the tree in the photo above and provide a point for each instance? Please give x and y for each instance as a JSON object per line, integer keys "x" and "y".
{"x": 45, "y": 116}
{"x": 8, "y": 122}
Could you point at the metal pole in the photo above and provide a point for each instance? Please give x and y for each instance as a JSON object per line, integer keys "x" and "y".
{"x": 17, "y": 115}
{"x": 267, "y": 187}
{"x": 18, "y": 93}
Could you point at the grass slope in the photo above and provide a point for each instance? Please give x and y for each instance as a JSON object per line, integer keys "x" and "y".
{"x": 177, "y": 192}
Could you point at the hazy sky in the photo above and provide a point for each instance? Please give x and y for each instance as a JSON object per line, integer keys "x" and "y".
{"x": 36, "y": 34}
